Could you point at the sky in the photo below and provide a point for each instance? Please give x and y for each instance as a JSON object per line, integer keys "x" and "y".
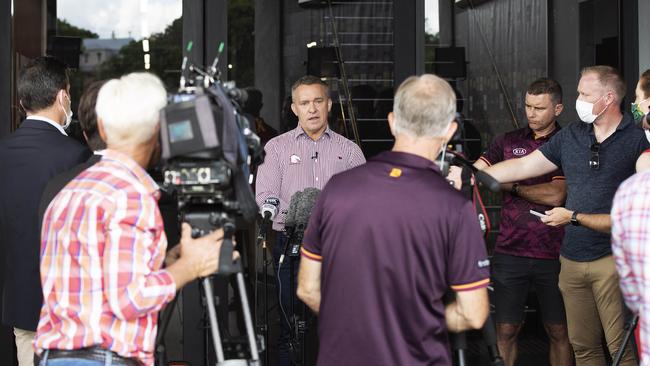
{"x": 431, "y": 15}
{"x": 124, "y": 17}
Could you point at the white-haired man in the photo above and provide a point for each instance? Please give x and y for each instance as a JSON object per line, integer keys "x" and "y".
{"x": 388, "y": 239}
{"x": 103, "y": 243}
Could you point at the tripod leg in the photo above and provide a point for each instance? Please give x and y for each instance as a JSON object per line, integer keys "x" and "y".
{"x": 212, "y": 314}
{"x": 459, "y": 345}
{"x": 490, "y": 338}
{"x": 629, "y": 331}
{"x": 247, "y": 319}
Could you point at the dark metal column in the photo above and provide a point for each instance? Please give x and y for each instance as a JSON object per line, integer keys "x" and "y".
{"x": 408, "y": 39}
{"x": 205, "y": 23}
{"x": 268, "y": 56}
{"x": 5, "y": 70}
{"x": 629, "y": 43}
{"x": 7, "y": 353}
{"x": 193, "y": 333}
{"x": 216, "y": 31}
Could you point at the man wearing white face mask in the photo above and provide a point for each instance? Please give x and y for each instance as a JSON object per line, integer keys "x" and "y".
{"x": 31, "y": 156}
{"x": 596, "y": 155}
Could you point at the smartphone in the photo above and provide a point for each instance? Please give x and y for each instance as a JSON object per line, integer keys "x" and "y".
{"x": 537, "y": 213}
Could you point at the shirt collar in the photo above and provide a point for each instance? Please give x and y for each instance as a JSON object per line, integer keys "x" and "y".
{"x": 626, "y": 121}
{"x": 298, "y": 131}
{"x": 532, "y": 135}
{"x": 50, "y": 121}
{"x": 134, "y": 168}
{"x": 407, "y": 160}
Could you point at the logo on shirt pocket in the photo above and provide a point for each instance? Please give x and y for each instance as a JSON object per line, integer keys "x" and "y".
{"x": 519, "y": 151}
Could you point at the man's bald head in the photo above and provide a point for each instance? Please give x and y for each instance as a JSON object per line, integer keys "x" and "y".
{"x": 424, "y": 106}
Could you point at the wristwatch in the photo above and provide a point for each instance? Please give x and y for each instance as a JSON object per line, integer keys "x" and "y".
{"x": 574, "y": 219}
{"x": 515, "y": 190}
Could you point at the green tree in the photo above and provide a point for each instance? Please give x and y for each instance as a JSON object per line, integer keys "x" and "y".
{"x": 65, "y": 29}
{"x": 165, "y": 51}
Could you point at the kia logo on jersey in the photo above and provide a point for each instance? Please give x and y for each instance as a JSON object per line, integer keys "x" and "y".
{"x": 520, "y": 151}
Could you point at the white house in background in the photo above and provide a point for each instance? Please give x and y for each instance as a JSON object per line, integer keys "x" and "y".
{"x": 97, "y": 51}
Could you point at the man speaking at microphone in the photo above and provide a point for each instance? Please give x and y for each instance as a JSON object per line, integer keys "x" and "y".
{"x": 386, "y": 241}
{"x": 307, "y": 156}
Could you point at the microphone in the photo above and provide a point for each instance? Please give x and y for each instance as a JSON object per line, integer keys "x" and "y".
{"x": 290, "y": 218}
{"x": 239, "y": 95}
{"x": 303, "y": 211}
{"x": 184, "y": 66}
{"x": 290, "y": 221}
{"x": 268, "y": 211}
{"x": 213, "y": 71}
{"x": 481, "y": 176}
{"x": 307, "y": 203}
{"x": 270, "y": 208}
{"x": 295, "y": 226}
{"x": 315, "y": 155}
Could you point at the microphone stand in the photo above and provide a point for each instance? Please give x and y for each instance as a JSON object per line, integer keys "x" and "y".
{"x": 261, "y": 240}
{"x": 296, "y": 347}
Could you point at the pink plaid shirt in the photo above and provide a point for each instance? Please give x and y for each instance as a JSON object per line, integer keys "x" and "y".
{"x": 102, "y": 249}
{"x": 631, "y": 248}
{"x": 294, "y": 162}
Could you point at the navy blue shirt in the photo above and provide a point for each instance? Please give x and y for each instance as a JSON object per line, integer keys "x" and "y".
{"x": 589, "y": 190}
{"x": 393, "y": 237}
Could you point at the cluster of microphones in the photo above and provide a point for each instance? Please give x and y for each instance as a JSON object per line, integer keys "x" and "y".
{"x": 296, "y": 220}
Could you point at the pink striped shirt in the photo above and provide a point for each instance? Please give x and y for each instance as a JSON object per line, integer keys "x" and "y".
{"x": 631, "y": 249}
{"x": 102, "y": 250}
{"x": 294, "y": 162}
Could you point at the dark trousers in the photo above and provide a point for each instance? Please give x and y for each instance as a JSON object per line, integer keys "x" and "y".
{"x": 287, "y": 296}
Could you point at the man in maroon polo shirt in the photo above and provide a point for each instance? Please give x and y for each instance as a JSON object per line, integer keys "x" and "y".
{"x": 388, "y": 239}
{"x": 527, "y": 250}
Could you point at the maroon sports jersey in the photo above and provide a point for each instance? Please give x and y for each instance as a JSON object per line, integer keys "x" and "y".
{"x": 521, "y": 233}
{"x": 393, "y": 237}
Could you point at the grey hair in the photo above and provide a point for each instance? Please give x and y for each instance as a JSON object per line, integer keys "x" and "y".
{"x": 424, "y": 106}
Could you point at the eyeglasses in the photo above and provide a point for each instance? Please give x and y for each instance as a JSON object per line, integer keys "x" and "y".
{"x": 594, "y": 162}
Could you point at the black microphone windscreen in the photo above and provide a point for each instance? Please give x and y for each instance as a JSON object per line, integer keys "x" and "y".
{"x": 487, "y": 180}
{"x": 306, "y": 205}
{"x": 290, "y": 219}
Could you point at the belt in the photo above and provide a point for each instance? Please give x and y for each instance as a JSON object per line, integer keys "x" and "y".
{"x": 91, "y": 353}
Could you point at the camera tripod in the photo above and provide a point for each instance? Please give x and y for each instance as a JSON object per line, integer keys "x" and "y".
{"x": 459, "y": 344}
{"x": 202, "y": 223}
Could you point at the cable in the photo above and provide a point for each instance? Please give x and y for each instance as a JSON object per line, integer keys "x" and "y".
{"x": 494, "y": 66}
{"x": 286, "y": 318}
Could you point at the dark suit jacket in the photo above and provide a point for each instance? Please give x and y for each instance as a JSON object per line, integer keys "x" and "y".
{"x": 56, "y": 184}
{"x": 29, "y": 158}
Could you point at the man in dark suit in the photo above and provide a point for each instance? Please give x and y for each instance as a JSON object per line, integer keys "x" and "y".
{"x": 31, "y": 156}
{"x": 88, "y": 122}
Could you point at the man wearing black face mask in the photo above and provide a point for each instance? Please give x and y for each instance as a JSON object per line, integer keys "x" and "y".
{"x": 31, "y": 156}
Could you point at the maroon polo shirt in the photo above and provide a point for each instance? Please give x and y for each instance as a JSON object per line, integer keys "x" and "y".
{"x": 393, "y": 237}
{"x": 520, "y": 233}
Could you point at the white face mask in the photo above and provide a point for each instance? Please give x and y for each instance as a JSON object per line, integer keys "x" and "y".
{"x": 584, "y": 110}
{"x": 647, "y": 134}
{"x": 68, "y": 117}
